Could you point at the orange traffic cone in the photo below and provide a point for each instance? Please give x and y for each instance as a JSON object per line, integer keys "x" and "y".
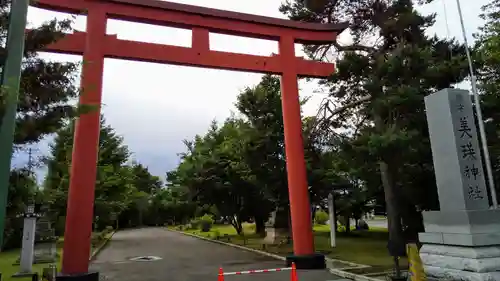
{"x": 293, "y": 275}
{"x": 221, "y": 274}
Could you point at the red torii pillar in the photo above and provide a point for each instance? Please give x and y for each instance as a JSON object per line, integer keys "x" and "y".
{"x": 79, "y": 214}
{"x": 300, "y": 207}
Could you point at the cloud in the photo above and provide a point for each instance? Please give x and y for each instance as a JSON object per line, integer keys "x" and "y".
{"x": 154, "y": 107}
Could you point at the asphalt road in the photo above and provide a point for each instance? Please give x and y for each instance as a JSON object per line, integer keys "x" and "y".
{"x": 185, "y": 258}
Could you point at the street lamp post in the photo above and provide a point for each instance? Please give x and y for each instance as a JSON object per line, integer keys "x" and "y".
{"x": 11, "y": 78}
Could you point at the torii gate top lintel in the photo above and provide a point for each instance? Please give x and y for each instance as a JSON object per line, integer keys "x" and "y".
{"x": 160, "y": 13}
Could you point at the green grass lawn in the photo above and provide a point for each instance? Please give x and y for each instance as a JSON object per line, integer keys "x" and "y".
{"x": 363, "y": 247}
{"x": 8, "y": 258}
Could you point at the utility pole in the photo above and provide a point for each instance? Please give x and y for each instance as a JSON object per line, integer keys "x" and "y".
{"x": 480, "y": 121}
{"x": 11, "y": 78}
{"x": 30, "y": 162}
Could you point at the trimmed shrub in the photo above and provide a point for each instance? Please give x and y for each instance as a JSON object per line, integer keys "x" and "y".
{"x": 321, "y": 217}
{"x": 193, "y": 224}
{"x": 206, "y": 222}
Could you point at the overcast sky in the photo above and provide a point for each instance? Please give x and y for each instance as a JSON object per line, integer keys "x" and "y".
{"x": 154, "y": 107}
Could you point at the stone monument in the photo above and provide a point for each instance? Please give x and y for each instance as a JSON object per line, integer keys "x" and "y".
{"x": 28, "y": 243}
{"x": 45, "y": 240}
{"x": 277, "y": 227}
{"x": 462, "y": 240}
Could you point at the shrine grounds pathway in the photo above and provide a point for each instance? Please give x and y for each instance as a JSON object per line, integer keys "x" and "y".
{"x": 185, "y": 258}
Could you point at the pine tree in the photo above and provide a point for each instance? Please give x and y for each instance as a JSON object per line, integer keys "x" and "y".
{"x": 45, "y": 92}
{"x": 114, "y": 180}
{"x": 487, "y": 51}
{"x": 46, "y": 87}
{"x": 381, "y": 80}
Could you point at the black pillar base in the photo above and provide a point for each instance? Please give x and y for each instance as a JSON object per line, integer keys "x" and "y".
{"x": 89, "y": 276}
{"x": 314, "y": 261}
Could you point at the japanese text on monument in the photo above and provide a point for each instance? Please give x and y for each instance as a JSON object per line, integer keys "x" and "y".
{"x": 469, "y": 153}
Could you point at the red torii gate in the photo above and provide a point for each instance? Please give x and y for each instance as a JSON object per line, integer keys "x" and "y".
{"x": 95, "y": 45}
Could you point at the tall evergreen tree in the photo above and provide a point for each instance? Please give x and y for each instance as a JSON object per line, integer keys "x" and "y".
{"x": 45, "y": 92}
{"x": 143, "y": 180}
{"x": 265, "y": 150}
{"x": 381, "y": 79}
{"x": 46, "y": 87}
{"x": 114, "y": 180}
{"x": 487, "y": 51}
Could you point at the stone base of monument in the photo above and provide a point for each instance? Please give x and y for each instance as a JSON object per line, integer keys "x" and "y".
{"x": 314, "y": 261}
{"x": 462, "y": 227}
{"x": 89, "y": 276}
{"x": 276, "y": 235}
{"x": 459, "y": 263}
{"x": 23, "y": 274}
{"x": 46, "y": 251}
{"x": 461, "y": 245}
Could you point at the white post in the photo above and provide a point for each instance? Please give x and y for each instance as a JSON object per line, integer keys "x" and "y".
{"x": 332, "y": 221}
{"x": 27, "y": 248}
{"x": 27, "y": 244}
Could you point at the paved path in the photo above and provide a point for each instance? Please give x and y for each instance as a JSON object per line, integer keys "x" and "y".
{"x": 184, "y": 258}
{"x": 382, "y": 223}
{"x": 377, "y": 223}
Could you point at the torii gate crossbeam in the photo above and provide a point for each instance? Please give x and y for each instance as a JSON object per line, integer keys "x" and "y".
{"x": 95, "y": 45}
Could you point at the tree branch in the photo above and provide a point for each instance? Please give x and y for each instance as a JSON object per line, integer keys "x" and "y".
{"x": 326, "y": 107}
{"x": 351, "y": 105}
{"x": 355, "y": 47}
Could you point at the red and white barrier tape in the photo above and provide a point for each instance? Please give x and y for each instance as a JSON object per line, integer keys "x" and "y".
{"x": 256, "y": 271}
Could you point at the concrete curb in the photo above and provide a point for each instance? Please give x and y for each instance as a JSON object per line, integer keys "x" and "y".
{"x": 350, "y": 275}
{"x": 338, "y": 272}
{"x": 101, "y": 247}
{"x": 278, "y": 257}
{"x": 352, "y": 264}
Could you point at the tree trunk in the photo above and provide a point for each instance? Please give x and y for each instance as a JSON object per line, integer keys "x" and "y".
{"x": 391, "y": 198}
{"x": 239, "y": 228}
{"x": 140, "y": 217}
{"x": 335, "y": 222}
{"x": 260, "y": 226}
{"x": 236, "y": 223}
{"x": 390, "y": 192}
{"x": 387, "y": 171}
{"x": 347, "y": 224}
{"x": 412, "y": 220}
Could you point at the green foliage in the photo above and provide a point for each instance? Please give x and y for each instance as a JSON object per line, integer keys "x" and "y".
{"x": 206, "y": 222}
{"x": 46, "y": 87}
{"x": 375, "y": 148}
{"x": 193, "y": 224}
{"x": 239, "y": 167}
{"x": 487, "y": 53}
{"x": 206, "y": 218}
{"x": 124, "y": 193}
{"x": 321, "y": 217}
{"x": 45, "y": 92}
{"x": 22, "y": 190}
{"x": 380, "y": 137}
